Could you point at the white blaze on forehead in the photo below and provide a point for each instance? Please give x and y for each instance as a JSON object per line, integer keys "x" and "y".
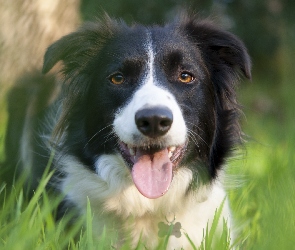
{"x": 151, "y": 58}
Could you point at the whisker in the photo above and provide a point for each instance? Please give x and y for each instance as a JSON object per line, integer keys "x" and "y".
{"x": 96, "y": 135}
{"x": 109, "y": 137}
{"x": 190, "y": 137}
{"x": 193, "y": 139}
{"x": 194, "y": 133}
{"x": 195, "y": 125}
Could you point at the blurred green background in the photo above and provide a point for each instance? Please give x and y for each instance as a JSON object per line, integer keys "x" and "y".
{"x": 262, "y": 183}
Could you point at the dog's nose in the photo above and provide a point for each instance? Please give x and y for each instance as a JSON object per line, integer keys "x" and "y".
{"x": 154, "y": 121}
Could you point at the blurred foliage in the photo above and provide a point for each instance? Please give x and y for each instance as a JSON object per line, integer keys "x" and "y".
{"x": 262, "y": 25}
{"x": 145, "y": 12}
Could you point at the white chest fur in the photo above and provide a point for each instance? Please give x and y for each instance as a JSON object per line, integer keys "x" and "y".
{"x": 116, "y": 201}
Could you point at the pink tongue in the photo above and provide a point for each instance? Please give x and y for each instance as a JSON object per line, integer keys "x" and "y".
{"x": 152, "y": 173}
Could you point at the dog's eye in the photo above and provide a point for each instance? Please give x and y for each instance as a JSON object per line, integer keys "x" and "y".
{"x": 117, "y": 78}
{"x": 185, "y": 77}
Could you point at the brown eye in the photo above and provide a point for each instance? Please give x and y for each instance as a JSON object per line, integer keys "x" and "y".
{"x": 185, "y": 77}
{"x": 117, "y": 78}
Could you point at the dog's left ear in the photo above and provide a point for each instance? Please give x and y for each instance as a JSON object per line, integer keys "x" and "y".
{"x": 222, "y": 49}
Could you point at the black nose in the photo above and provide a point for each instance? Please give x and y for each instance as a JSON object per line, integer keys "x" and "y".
{"x": 154, "y": 121}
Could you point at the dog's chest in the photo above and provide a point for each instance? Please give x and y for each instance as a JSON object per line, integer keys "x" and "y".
{"x": 173, "y": 215}
{"x": 117, "y": 204}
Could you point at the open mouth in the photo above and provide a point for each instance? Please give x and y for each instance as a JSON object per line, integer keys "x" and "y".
{"x": 152, "y": 167}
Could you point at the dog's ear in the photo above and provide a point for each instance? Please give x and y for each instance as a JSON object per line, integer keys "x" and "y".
{"x": 78, "y": 47}
{"x": 221, "y": 49}
{"x": 58, "y": 51}
{"x": 226, "y": 57}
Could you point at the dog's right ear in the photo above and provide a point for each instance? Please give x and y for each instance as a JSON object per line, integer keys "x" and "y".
{"x": 78, "y": 47}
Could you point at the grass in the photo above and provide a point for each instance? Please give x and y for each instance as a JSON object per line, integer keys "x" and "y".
{"x": 31, "y": 225}
{"x": 261, "y": 189}
{"x": 265, "y": 203}
{"x": 3, "y": 118}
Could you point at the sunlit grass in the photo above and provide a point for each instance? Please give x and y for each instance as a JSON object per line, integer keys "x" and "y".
{"x": 264, "y": 205}
{"x": 3, "y": 118}
{"x": 32, "y": 225}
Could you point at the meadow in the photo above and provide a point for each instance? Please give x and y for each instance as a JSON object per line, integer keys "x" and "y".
{"x": 260, "y": 184}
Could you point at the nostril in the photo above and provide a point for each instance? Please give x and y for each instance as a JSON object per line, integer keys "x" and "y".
{"x": 165, "y": 123}
{"x": 143, "y": 123}
{"x": 154, "y": 121}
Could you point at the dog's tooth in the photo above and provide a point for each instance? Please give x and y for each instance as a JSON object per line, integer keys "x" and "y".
{"x": 172, "y": 148}
{"x": 170, "y": 154}
{"x": 131, "y": 151}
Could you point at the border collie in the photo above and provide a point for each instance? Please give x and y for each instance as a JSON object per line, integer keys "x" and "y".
{"x": 144, "y": 125}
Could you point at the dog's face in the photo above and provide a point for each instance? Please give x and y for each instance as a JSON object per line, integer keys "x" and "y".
{"x": 160, "y": 97}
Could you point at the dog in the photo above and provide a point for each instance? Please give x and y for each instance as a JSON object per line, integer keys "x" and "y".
{"x": 143, "y": 128}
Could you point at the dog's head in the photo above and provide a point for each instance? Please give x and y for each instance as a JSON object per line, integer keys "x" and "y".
{"x": 162, "y": 97}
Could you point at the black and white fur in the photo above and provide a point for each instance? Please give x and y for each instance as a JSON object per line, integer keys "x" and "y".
{"x": 94, "y": 127}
